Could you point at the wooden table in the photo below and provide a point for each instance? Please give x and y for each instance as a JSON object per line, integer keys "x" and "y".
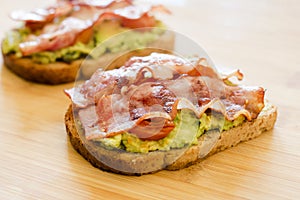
{"x": 262, "y": 38}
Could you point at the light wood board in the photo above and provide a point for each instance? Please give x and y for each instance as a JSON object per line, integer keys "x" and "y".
{"x": 262, "y": 38}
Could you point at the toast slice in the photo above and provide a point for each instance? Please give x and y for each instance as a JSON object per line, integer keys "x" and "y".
{"x": 143, "y": 163}
{"x": 62, "y": 72}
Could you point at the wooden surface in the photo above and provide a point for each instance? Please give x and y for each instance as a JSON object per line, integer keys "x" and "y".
{"x": 262, "y": 38}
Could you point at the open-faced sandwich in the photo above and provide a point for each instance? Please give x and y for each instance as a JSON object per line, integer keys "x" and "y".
{"x": 162, "y": 112}
{"x": 51, "y": 43}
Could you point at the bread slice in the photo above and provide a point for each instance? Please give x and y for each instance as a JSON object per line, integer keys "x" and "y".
{"x": 62, "y": 72}
{"x": 52, "y": 73}
{"x": 143, "y": 163}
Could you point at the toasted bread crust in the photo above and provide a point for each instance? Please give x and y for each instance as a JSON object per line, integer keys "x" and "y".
{"x": 62, "y": 72}
{"x": 52, "y": 73}
{"x": 134, "y": 163}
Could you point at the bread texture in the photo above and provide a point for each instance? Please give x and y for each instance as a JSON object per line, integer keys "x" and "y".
{"x": 63, "y": 72}
{"x": 143, "y": 163}
{"x": 52, "y": 73}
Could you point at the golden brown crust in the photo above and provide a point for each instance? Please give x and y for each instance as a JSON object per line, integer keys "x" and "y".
{"x": 116, "y": 161}
{"x": 247, "y": 131}
{"x": 134, "y": 163}
{"x": 62, "y": 72}
{"x": 52, "y": 73}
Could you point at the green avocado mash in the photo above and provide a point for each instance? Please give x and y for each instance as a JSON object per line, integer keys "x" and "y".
{"x": 128, "y": 41}
{"x": 186, "y": 125}
{"x": 12, "y": 40}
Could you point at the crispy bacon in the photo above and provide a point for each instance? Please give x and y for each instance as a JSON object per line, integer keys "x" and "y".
{"x": 76, "y": 19}
{"x": 38, "y": 18}
{"x": 148, "y": 104}
{"x": 137, "y": 70}
{"x": 42, "y": 15}
{"x": 64, "y": 8}
{"x": 137, "y": 98}
{"x": 102, "y": 3}
{"x": 155, "y": 129}
{"x": 134, "y": 16}
{"x": 61, "y": 36}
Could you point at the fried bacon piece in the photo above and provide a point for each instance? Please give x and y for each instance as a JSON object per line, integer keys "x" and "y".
{"x": 68, "y": 22}
{"x": 141, "y": 100}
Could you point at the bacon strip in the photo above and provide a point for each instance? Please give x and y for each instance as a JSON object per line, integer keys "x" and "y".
{"x": 138, "y": 99}
{"x": 43, "y": 15}
{"x": 63, "y": 35}
{"x": 64, "y": 8}
{"x": 134, "y": 16}
{"x": 102, "y": 3}
{"x": 136, "y": 71}
{"x": 76, "y": 22}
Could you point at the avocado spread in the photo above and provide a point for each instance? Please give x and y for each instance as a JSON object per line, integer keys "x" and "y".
{"x": 188, "y": 128}
{"x": 128, "y": 41}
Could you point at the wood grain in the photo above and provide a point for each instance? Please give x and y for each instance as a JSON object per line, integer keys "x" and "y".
{"x": 259, "y": 37}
